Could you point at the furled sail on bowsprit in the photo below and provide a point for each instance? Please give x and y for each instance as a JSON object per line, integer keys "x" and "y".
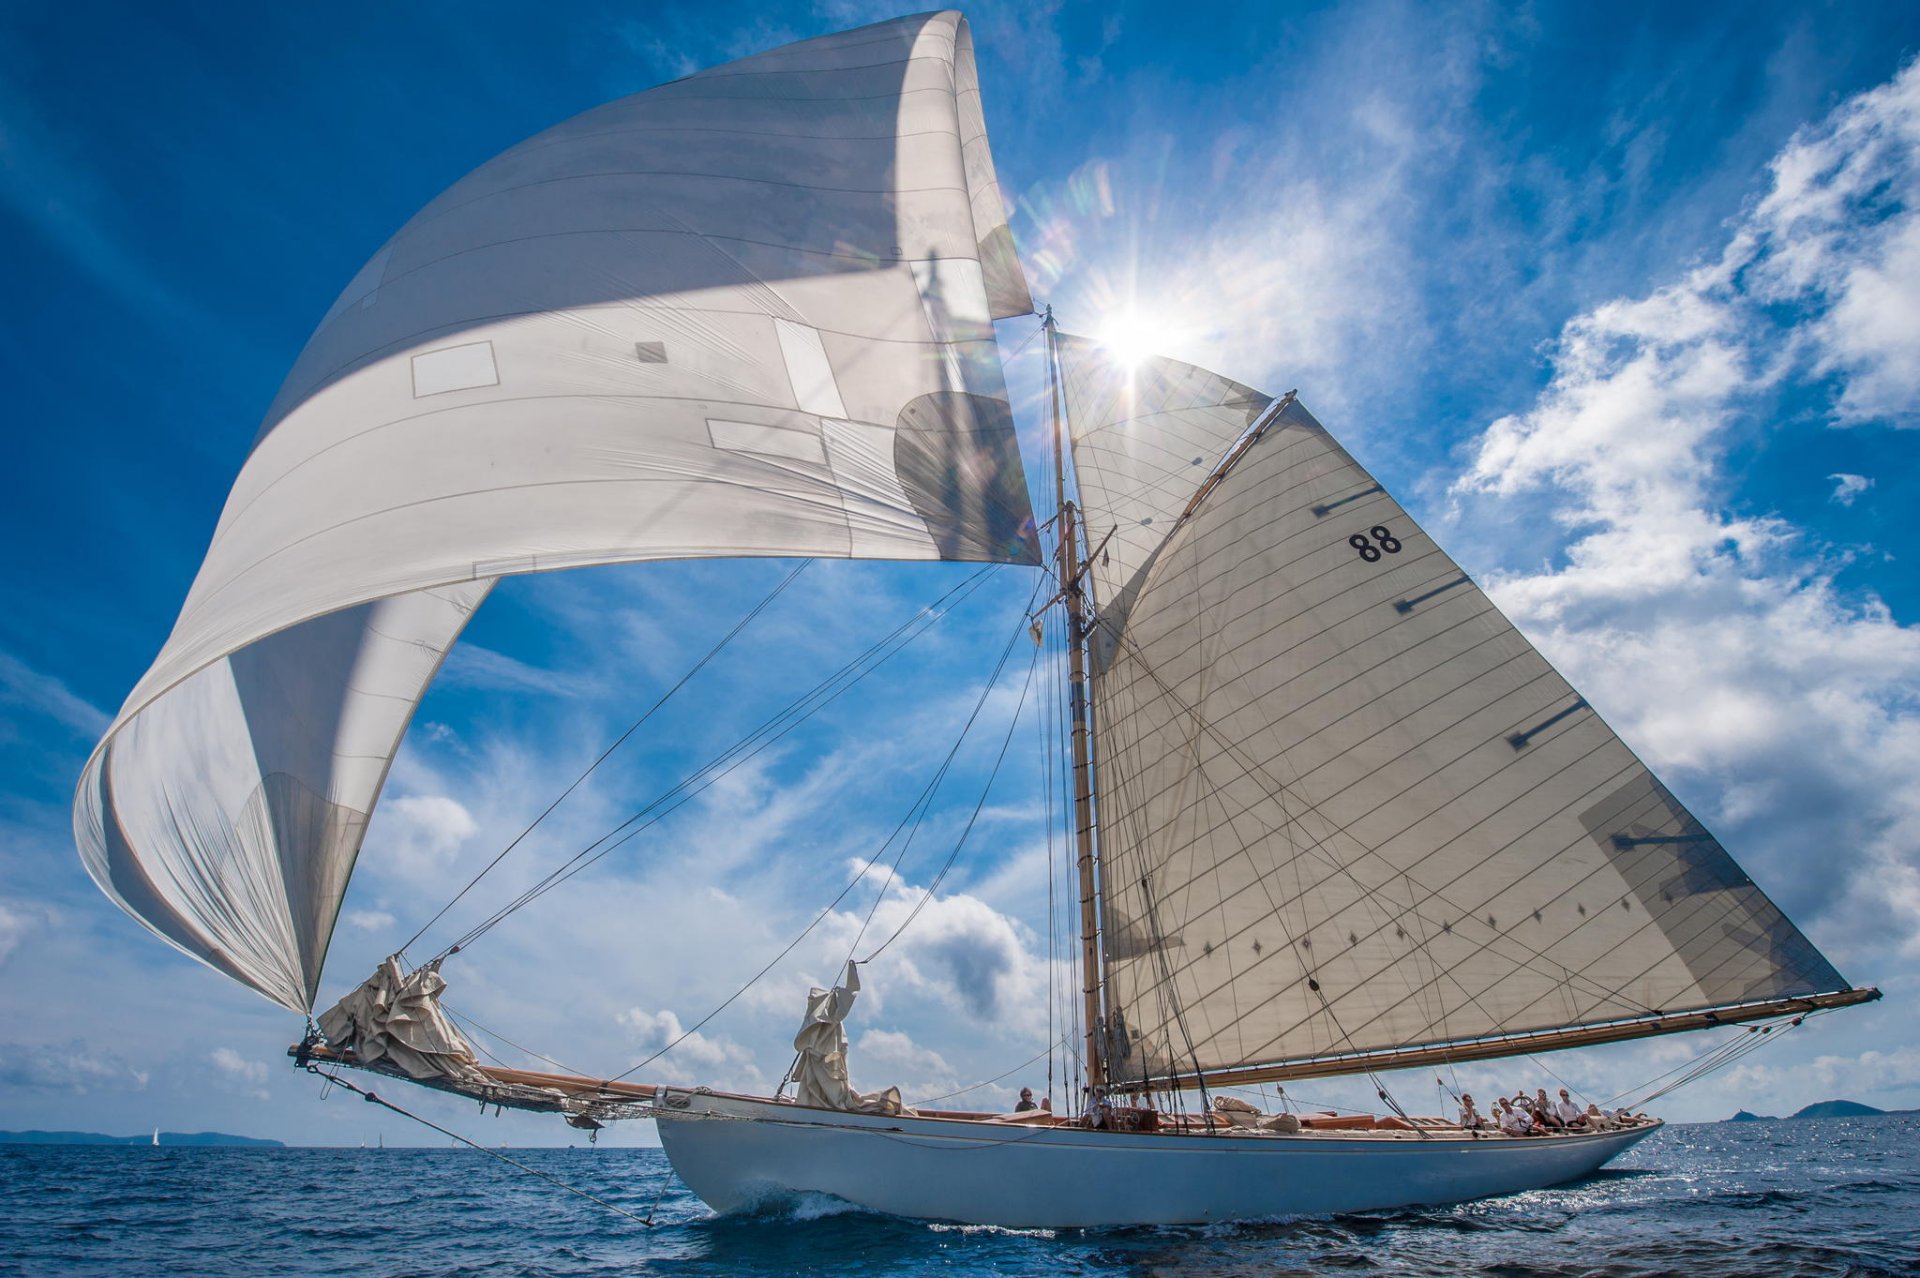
{"x": 746, "y": 313}
{"x": 1349, "y": 816}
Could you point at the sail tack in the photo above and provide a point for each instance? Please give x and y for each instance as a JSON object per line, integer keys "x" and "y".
{"x": 1345, "y": 807}
{"x": 747, "y": 313}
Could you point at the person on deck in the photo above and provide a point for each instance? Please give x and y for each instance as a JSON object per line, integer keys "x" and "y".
{"x": 1566, "y": 1111}
{"x": 1597, "y": 1121}
{"x": 1515, "y": 1121}
{"x": 1543, "y": 1110}
{"x": 1470, "y": 1118}
{"x": 1026, "y": 1101}
{"x": 1524, "y": 1103}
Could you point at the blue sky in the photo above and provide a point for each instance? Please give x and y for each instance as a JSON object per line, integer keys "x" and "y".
{"x": 1624, "y": 300}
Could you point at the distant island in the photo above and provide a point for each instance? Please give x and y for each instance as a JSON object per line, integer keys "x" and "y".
{"x": 1819, "y": 1109}
{"x": 166, "y": 1138}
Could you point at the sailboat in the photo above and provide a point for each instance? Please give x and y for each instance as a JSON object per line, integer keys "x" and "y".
{"x": 1333, "y": 813}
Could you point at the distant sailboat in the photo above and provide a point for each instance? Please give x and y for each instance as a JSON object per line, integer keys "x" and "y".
{"x": 156, "y": 1135}
{"x": 1333, "y": 813}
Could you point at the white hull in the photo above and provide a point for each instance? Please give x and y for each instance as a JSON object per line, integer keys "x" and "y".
{"x": 737, "y": 1154}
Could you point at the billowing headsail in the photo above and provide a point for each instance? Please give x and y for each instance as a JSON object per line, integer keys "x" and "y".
{"x": 1349, "y": 816}
{"x": 745, "y": 313}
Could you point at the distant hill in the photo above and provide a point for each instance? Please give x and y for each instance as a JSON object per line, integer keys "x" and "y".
{"x": 1837, "y": 1109}
{"x": 166, "y": 1138}
{"x": 1820, "y": 1109}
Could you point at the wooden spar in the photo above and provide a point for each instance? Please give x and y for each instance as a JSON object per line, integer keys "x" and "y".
{"x": 1551, "y": 1040}
{"x": 573, "y": 1085}
{"x": 1074, "y": 599}
{"x": 1247, "y": 441}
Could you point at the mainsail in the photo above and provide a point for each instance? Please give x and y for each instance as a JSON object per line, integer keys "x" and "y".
{"x": 746, "y": 313}
{"x": 1349, "y": 816}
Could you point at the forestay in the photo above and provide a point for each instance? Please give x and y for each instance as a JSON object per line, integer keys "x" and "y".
{"x": 1344, "y": 805}
{"x": 745, "y": 313}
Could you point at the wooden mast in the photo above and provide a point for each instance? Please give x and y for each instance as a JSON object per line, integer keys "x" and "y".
{"x": 1074, "y": 600}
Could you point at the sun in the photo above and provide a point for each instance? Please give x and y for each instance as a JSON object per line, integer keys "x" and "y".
{"x": 1133, "y": 335}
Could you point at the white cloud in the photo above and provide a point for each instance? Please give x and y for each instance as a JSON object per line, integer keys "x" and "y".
{"x": 1847, "y": 488}
{"x": 1841, "y": 226}
{"x": 15, "y": 923}
{"x": 471, "y": 666}
{"x": 715, "y": 1060}
{"x": 955, "y": 949}
{"x": 1718, "y": 640}
{"x": 420, "y": 834}
{"x": 889, "y": 1058}
{"x": 369, "y": 920}
{"x": 1828, "y": 1077}
{"x": 72, "y": 1067}
{"x": 22, "y": 685}
{"x": 240, "y": 1075}
{"x": 894, "y": 1048}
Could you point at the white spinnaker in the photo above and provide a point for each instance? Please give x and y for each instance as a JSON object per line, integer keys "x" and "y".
{"x": 1327, "y": 760}
{"x": 746, "y": 313}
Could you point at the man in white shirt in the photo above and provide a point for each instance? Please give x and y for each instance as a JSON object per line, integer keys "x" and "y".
{"x": 1566, "y": 1111}
{"x": 1470, "y": 1118}
{"x": 1515, "y": 1122}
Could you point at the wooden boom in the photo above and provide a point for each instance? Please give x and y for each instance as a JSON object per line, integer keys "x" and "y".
{"x": 1550, "y": 1040}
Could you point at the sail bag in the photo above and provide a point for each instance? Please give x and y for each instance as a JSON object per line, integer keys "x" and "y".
{"x": 748, "y": 313}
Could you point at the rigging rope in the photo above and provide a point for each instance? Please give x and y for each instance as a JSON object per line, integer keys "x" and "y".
{"x": 924, "y": 803}
{"x": 1720, "y": 1056}
{"x": 470, "y": 1023}
{"x": 933, "y": 1100}
{"x": 774, "y": 728}
{"x": 925, "y": 797}
{"x": 619, "y": 741}
{"x": 972, "y": 818}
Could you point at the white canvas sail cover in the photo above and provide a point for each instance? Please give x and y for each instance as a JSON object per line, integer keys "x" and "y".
{"x": 820, "y": 1054}
{"x": 746, "y": 313}
{"x": 1344, "y": 805}
{"x": 395, "y": 1017}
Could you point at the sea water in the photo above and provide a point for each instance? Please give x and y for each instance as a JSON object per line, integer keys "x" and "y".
{"x": 1806, "y": 1196}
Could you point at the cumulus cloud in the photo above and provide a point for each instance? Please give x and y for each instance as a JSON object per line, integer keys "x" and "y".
{"x": 369, "y": 920}
{"x": 1715, "y": 637}
{"x": 1840, "y": 229}
{"x": 422, "y": 833}
{"x": 1829, "y": 1076}
{"x": 955, "y": 949}
{"x": 238, "y": 1074}
{"x": 718, "y": 1061}
{"x": 916, "y": 1070}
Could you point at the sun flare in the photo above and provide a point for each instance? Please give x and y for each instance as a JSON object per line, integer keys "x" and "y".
{"x": 1133, "y": 335}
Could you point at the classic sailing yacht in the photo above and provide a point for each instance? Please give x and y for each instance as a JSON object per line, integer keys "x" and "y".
{"x": 1333, "y": 813}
